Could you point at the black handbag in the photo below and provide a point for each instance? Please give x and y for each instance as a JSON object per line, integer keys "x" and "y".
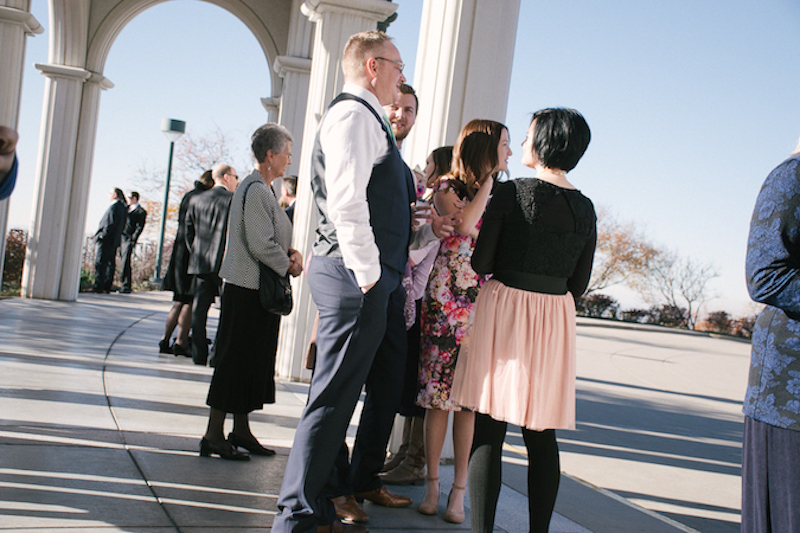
{"x": 274, "y": 290}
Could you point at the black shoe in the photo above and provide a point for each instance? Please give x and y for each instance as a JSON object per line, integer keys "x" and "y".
{"x": 251, "y": 446}
{"x": 177, "y": 349}
{"x": 226, "y": 451}
{"x": 163, "y": 346}
{"x": 125, "y": 291}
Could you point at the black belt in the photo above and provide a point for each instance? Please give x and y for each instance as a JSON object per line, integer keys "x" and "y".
{"x": 531, "y": 282}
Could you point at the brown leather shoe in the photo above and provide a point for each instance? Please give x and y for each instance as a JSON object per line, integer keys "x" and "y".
{"x": 348, "y": 509}
{"x": 382, "y": 496}
{"x": 338, "y": 527}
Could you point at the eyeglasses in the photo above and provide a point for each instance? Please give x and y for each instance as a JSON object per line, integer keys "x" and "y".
{"x": 235, "y": 176}
{"x": 398, "y": 63}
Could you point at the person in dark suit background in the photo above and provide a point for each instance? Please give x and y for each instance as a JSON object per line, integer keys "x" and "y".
{"x": 288, "y": 195}
{"x": 206, "y": 229}
{"x": 107, "y": 240}
{"x": 178, "y": 280}
{"x": 133, "y": 228}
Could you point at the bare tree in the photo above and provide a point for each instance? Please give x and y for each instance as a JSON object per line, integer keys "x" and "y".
{"x": 622, "y": 256}
{"x": 193, "y": 156}
{"x": 680, "y": 282}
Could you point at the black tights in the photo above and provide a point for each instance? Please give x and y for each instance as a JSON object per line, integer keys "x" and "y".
{"x": 485, "y": 474}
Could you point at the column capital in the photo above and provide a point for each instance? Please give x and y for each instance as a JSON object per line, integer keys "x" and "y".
{"x": 63, "y": 71}
{"x": 23, "y": 18}
{"x": 377, "y": 10}
{"x": 74, "y": 73}
{"x": 271, "y": 104}
{"x": 285, "y": 64}
{"x": 100, "y": 80}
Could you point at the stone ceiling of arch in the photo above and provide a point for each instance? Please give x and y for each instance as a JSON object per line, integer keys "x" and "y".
{"x": 269, "y": 20}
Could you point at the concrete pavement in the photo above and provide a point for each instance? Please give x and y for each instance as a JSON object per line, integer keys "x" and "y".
{"x": 98, "y": 432}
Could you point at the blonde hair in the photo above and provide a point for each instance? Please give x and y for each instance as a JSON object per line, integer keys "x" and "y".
{"x": 359, "y": 48}
{"x": 797, "y": 150}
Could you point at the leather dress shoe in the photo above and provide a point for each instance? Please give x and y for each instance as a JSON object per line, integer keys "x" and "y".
{"x": 347, "y": 508}
{"x": 177, "y": 349}
{"x": 226, "y": 450}
{"x": 251, "y": 446}
{"x": 338, "y": 527}
{"x": 383, "y": 497}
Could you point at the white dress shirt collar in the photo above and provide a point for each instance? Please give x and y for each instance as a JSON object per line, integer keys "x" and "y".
{"x": 365, "y": 95}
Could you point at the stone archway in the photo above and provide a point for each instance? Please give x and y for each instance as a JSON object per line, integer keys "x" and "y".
{"x": 83, "y": 32}
{"x": 460, "y": 76}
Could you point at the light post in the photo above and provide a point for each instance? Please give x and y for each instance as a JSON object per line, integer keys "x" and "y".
{"x": 173, "y": 129}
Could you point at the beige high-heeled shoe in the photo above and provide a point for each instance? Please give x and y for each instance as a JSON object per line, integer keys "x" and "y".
{"x": 450, "y": 515}
{"x": 426, "y": 507}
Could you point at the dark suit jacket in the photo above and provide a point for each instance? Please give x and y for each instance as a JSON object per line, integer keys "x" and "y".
{"x": 135, "y": 224}
{"x": 109, "y": 232}
{"x": 206, "y": 228}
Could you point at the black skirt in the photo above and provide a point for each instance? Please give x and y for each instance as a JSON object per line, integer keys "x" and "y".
{"x": 244, "y": 361}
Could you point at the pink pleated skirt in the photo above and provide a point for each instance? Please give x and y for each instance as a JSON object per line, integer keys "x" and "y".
{"x": 518, "y": 364}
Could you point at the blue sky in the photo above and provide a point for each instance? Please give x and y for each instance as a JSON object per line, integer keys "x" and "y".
{"x": 691, "y": 104}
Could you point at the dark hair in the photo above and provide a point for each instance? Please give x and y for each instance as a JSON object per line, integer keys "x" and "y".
{"x": 475, "y": 153}
{"x": 270, "y": 137}
{"x": 408, "y": 89}
{"x": 442, "y": 158}
{"x": 560, "y": 137}
{"x": 206, "y": 180}
{"x": 119, "y": 194}
{"x": 135, "y": 194}
{"x": 290, "y": 182}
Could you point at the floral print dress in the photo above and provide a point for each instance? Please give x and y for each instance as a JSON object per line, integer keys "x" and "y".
{"x": 452, "y": 289}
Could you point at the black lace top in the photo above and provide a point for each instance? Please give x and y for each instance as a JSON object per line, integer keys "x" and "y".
{"x": 534, "y": 229}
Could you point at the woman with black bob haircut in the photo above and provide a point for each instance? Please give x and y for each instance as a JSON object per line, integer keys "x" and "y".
{"x": 537, "y": 241}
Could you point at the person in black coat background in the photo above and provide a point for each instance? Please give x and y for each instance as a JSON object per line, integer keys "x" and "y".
{"x": 107, "y": 240}
{"x": 206, "y": 229}
{"x": 178, "y": 280}
{"x": 133, "y": 228}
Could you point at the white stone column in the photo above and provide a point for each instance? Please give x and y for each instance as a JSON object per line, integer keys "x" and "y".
{"x": 79, "y": 187}
{"x": 56, "y": 166}
{"x": 296, "y": 74}
{"x": 336, "y": 21}
{"x": 463, "y": 69}
{"x": 16, "y": 23}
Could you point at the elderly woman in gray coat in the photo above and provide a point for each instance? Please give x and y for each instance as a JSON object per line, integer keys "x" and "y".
{"x": 247, "y": 336}
{"x": 771, "y": 447}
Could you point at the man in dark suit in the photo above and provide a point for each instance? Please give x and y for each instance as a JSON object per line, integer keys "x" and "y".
{"x": 288, "y": 195}
{"x": 206, "y": 228}
{"x": 133, "y": 228}
{"x": 107, "y": 239}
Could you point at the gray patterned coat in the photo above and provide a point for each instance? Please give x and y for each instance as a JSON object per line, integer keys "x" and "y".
{"x": 773, "y": 278}
{"x": 261, "y": 232}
